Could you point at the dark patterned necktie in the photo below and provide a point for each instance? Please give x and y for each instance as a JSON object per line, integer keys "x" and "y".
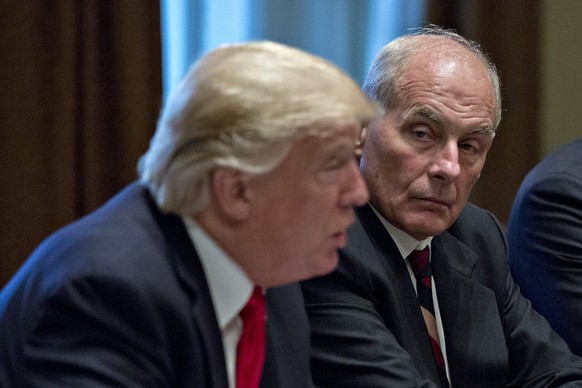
{"x": 422, "y": 271}
{"x": 250, "y": 351}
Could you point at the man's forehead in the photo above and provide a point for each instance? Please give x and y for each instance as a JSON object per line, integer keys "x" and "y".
{"x": 338, "y": 130}
{"x": 428, "y": 113}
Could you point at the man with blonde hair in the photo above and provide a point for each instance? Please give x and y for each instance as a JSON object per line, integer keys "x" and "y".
{"x": 247, "y": 187}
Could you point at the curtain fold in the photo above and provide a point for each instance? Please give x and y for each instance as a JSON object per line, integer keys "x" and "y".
{"x": 81, "y": 90}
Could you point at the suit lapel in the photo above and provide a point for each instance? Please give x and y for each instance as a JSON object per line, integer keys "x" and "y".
{"x": 452, "y": 265}
{"x": 468, "y": 310}
{"x": 288, "y": 340}
{"x": 191, "y": 275}
{"x": 412, "y": 333}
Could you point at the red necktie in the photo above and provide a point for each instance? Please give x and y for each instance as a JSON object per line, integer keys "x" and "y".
{"x": 422, "y": 271}
{"x": 250, "y": 351}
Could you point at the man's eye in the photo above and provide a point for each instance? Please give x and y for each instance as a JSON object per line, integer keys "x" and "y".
{"x": 333, "y": 164}
{"x": 420, "y": 134}
{"x": 469, "y": 147}
{"x": 339, "y": 161}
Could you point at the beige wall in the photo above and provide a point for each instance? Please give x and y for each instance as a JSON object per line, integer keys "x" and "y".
{"x": 561, "y": 73}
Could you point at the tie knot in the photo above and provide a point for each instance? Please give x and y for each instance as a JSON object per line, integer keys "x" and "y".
{"x": 418, "y": 260}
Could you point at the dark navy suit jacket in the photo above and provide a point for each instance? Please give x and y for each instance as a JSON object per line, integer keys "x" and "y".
{"x": 119, "y": 298}
{"x": 545, "y": 240}
{"x": 368, "y": 331}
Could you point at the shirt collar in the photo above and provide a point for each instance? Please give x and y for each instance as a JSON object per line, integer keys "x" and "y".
{"x": 404, "y": 242}
{"x": 230, "y": 287}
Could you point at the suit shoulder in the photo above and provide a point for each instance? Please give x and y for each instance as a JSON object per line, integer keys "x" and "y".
{"x": 475, "y": 220}
{"x": 479, "y": 229}
{"x": 120, "y": 240}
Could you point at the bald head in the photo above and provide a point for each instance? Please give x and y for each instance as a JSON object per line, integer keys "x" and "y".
{"x": 388, "y": 68}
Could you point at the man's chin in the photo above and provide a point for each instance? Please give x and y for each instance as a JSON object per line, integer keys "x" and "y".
{"x": 328, "y": 264}
{"x": 422, "y": 230}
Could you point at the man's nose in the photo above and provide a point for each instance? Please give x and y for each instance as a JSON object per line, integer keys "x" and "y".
{"x": 446, "y": 165}
{"x": 356, "y": 192}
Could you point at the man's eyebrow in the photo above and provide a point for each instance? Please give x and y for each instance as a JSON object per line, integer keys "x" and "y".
{"x": 341, "y": 146}
{"x": 429, "y": 114}
{"x": 485, "y": 130}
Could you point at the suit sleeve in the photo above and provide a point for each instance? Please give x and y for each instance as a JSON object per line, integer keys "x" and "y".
{"x": 538, "y": 357}
{"x": 545, "y": 239}
{"x": 351, "y": 345}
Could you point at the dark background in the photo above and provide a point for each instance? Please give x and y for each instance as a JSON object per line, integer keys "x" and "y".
{"x": 81, "y": 89}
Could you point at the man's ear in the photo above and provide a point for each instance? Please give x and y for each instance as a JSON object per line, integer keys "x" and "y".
{"x": 360, "y": 143}
{"x": 229, "y": 187}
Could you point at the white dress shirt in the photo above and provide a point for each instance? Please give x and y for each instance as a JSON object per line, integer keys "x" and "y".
{"x": 406, "y": 244}
{"x": 230, "y": 289}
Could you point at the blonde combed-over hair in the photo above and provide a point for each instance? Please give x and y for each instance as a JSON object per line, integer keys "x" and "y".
{"x": 243, "y": 106}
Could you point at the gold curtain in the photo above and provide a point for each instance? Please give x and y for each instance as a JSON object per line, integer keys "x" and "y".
{"x": 509, "y": 32}
{"x": 81, "y": 89}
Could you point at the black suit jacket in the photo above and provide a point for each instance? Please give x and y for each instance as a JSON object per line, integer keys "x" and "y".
{"x": 119, "y": 298}
{"x": 367, "y": 329}
{"x": 545, "y": 240}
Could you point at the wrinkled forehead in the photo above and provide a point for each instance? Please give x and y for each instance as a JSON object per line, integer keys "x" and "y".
{"x": 445, "y": 67}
